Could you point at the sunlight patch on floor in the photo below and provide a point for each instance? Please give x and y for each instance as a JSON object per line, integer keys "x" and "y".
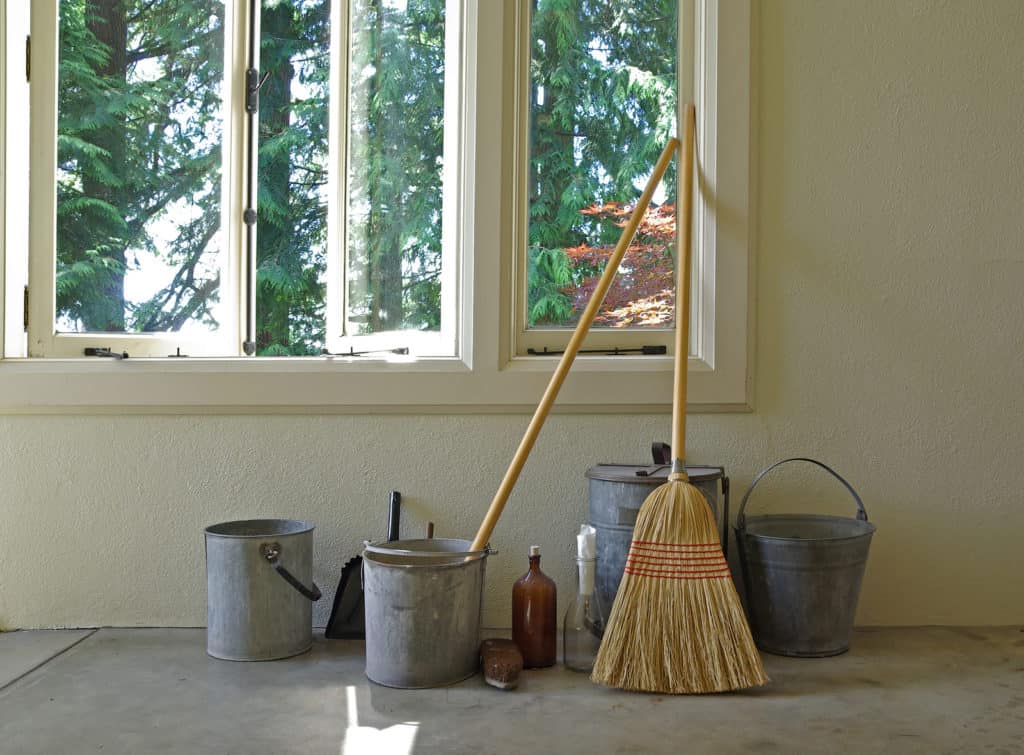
{"x": 397, "y": 740}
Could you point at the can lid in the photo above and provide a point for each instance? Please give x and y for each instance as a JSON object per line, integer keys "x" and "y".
{"x": 534, "y": 550}
{"x": 656, "y": 474}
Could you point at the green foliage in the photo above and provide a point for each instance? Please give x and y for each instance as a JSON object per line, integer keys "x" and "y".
{"x": 137, "y": 151}
{"x": 292, "y": 173}
{"x": 139, "y": 157}
{"x": 396, "y": 143}
{"x": 549, "y": 273}
{"x": 603, "y": 105}
{"x": 139, "y": 165}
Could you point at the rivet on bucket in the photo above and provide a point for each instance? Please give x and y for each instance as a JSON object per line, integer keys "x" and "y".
{"x": 803, "y": 574}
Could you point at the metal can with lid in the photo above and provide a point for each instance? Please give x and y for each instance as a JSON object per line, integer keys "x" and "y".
{"x": 615, "y": 494}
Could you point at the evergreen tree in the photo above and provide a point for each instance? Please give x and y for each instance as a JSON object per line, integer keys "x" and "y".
{"x": 291, "y": 232}
{"x": 138, "y": 116}
{"x": 139, "y": 156}
{"x": 603, "y": 105}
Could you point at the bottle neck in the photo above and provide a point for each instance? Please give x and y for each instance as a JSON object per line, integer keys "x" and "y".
{"x": 535, "y": 564}
{"x": 586, "y": 568}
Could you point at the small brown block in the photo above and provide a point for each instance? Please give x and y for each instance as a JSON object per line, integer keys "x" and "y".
{"x": 501, "y": 662}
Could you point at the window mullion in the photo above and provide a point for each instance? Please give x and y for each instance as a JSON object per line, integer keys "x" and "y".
{"x": 337, "y": 172}
{"x": 249, "y": 175}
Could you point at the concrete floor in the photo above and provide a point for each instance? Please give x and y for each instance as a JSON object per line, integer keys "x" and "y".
{"x": 143, "y": 691}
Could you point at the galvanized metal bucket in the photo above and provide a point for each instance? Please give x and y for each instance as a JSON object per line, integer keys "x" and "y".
{"x": 616, "y": 493}
{"x": 253, "y": 613}
{"x": 803, "y": 574}
{"x": 423, "y": 602}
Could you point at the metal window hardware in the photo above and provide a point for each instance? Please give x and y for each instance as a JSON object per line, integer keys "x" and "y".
{"x": 613, "y": 351}
{"x": 352, "y": 353}
{"x": 104, "y": 351}
{"x": 253, "y": 82}
{"x": 177, "y": 354}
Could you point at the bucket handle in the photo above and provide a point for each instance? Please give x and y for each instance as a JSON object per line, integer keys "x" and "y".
{"x": 272, "y": 552}
{"x": 862, "y": 513}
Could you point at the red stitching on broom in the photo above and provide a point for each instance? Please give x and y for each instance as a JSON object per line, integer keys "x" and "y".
{"x": 677, "y": 545}
{"x": 684, "y": 575}
{"x": 682, "y": 569}
{"x": 677, "y": 551}
{"x": 677, "y": 570}
{"x": 684, "y": 559}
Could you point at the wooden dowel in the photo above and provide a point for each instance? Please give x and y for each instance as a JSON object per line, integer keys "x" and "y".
{"x": 682, "y": 340}
{"x": 483, "y": 535}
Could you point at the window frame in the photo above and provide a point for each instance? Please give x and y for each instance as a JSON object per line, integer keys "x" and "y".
{"x": 487, "y": 376}
{"x": 442, "y": 342}
{"x": 540, "y": 338}
{"x": 43, "y": 341}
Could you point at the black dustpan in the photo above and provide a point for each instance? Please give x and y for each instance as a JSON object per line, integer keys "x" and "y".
{"x": 348, "y": 619}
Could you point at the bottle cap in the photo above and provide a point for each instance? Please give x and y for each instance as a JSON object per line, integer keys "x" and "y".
{"x": 534, "y": 550}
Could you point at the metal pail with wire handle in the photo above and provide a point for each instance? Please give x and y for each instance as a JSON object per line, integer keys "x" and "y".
{"x": 803, "y": 574}
{"x": 253, "y": 613}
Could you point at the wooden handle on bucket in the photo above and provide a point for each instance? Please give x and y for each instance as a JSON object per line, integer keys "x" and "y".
{"x": 596, "y": 299}
{"x": 682, "y": 342}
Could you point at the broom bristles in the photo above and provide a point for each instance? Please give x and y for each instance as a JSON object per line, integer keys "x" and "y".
{"x": 677, "y": 626}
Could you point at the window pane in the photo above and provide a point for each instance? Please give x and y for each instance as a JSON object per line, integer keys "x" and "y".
{"x": 292, "y": 176}
{"x": 139, "y": 165}
{"x": 395, "y": 165}
{"x": 602, "y": 107}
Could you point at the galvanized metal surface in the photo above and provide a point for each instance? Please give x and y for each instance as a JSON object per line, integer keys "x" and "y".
{"x": 252, "y": 614}
{"x": 803, "y": 575}
{"x": 616, "y": 493}
{"x": 423, "y": 609}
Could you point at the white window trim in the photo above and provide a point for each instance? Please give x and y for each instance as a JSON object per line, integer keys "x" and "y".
{"x": 455, "y": 189}
{"x": 518, "y": 155}
{"x": 487, "y": 377}
{"x": 43, "y": 341}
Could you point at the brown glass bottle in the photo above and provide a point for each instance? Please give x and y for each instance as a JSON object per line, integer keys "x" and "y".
{"x": 534, "y": 615}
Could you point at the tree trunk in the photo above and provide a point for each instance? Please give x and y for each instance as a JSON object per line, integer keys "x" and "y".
{"x": 105, "y": 19}
{"x": 275, "y": 240}
{"x": 385, "y": 255}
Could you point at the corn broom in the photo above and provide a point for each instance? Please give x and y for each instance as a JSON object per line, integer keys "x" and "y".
{"x": 677, "y": 626}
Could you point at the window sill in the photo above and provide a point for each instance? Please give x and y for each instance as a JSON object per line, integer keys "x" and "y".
{"x": 317, "y": 385}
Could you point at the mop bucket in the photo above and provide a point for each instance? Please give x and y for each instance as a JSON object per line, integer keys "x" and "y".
{"x": 253, "y": 613}
{"x": 423, "y": 601}
{"x": 803, "y": 574}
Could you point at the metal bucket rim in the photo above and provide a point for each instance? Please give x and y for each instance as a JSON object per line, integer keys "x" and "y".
{"x": 696, "y": 473}
{"x": 222, "y": 529}
{"x": 869, "y": 527}
{"x": 459, "y": 558}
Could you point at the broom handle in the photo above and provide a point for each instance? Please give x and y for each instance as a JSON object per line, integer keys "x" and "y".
{"x": 682, "y": 343}
{"x": 483, "y": 535}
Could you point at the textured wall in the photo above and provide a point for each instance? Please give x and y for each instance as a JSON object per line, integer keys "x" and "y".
{"x": 890, "y": 272}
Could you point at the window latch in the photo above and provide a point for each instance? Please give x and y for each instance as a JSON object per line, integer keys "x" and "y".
{"x": 103, "y": 351}
{"x": 352, "y": 353}
{"x": 614, "y": 351}
{"x": 253, "y": 82}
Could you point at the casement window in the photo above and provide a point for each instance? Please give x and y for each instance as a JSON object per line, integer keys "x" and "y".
{"x": 272, "y": 178}
{"x": 598, "y": 96}
{"x": 423, "y": 189}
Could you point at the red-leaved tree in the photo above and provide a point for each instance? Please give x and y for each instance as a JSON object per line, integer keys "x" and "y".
{"x": 643, "y": 292}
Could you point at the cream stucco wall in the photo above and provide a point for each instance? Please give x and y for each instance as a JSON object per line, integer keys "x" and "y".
{"x": 889, "y": 313}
